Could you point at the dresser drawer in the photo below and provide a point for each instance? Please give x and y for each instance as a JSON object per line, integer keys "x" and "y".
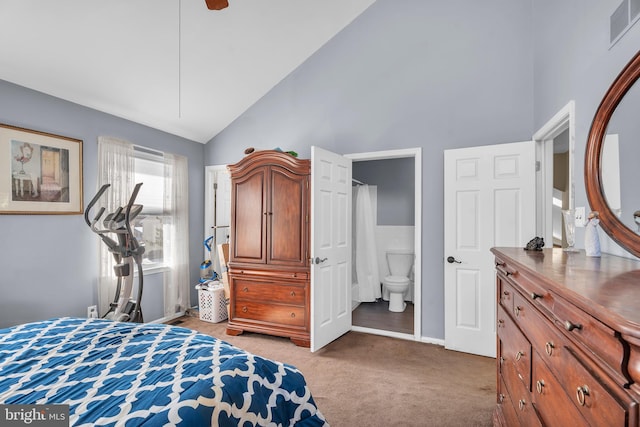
{"x": 541, "y": 333}
{"x": 271, "y": 313}
{"x": 284, "y": 293}
{"x": 505, "y": 294}
{"x": 509, "y": 414}
{"x": 525, "y": 284}
{"x": 597, "y": 337}
{"x": 515, "y": 351}
{"x": 553, "y": 404}
{"x": 517, "y": 407}
{"x": 593, "y": 400}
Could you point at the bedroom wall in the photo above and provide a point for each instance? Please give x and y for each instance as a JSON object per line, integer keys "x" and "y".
{"x": 574, "y": 60}
{"x": 410, "y": 73}
{"x": 48, "y": 263}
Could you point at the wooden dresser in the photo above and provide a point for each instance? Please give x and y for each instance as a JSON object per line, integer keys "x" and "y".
{"x": 269, "y": 280}
{"x": 568, "y": 342}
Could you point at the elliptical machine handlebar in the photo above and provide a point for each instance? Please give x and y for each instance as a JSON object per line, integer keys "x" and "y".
{"x": 93, "y": 202}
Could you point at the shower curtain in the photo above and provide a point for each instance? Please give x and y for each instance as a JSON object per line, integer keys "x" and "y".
{"x": 366, "y": 261}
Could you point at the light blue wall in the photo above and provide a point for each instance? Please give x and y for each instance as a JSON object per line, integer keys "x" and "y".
{"x": 574, "y": 60}
{"x": 412, "y": 73}
{"x": 49, "y": 263}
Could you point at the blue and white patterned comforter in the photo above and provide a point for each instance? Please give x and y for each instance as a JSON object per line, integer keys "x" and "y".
{"x": 114, "y": 373}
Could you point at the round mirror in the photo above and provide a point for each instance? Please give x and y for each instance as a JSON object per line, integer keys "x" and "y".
{"x": 613, "y": 147}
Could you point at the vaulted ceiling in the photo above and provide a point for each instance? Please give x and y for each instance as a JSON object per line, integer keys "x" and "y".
{"x": 173, "y": 65}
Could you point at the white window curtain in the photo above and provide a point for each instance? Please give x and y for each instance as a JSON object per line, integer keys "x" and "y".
{"x": 115, "y": 167}
{"x": 176, "y": 235}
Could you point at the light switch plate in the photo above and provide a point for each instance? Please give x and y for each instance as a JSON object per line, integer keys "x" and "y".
{"x": 580, "y": 216}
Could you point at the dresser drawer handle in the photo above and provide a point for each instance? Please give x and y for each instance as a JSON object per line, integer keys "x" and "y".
{"x": 245, "y": 289}
{"x": 581, "y": 392}
{"x": 519, "y": 355}
{"x": 571, "y": 326}
{"x": 245, "y": 309}
{"x": 500, "y": 323}
{"x": 539, "y": 386}
{"x": 293, "y": 315}
{"x": 521, "y": 404}
{"x": 535, "y": 296}
{"x": 517, "y": 309}
{"x": 548, "y": 347}
{"x": 293, "y": 293}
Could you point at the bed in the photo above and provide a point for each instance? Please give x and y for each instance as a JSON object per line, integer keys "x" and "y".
{"x": 115, "y": 373}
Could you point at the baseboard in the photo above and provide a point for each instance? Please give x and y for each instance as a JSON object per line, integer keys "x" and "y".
{"x": 168, "y": 319}
{"x": 429, "y": 340}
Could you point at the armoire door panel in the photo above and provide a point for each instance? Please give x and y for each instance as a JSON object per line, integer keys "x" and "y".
{"x": 249, "y": 218}
{"x": 287, "y": 218}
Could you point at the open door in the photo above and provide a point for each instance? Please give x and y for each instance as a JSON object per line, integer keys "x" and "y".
{"x": 330, "y": 247}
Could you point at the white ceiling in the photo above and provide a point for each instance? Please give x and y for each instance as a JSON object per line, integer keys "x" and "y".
{"x": 173, "y": 65}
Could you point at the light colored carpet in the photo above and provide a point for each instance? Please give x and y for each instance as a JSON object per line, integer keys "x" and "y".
{"x": 369, "y": 380}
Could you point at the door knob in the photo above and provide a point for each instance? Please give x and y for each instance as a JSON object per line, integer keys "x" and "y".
{"x": 451, "y": 260}
{"x": 317, "y": 260}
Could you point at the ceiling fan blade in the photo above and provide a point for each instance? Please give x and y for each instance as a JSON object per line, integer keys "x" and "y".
{"x": 216, "y": 4}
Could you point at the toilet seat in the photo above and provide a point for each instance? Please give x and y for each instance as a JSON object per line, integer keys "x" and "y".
{"x": 396, "y": 279}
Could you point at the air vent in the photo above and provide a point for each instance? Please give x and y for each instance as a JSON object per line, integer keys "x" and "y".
{"x": 634, "y": 8}
{"x": 619, "y": 20}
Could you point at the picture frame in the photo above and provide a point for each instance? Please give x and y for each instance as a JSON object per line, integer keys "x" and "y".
{"x": 40, "y": 173}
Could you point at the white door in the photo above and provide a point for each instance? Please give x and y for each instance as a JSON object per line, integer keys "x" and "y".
{"x": 330, "y": 247}
{"x": 489, "y": 200}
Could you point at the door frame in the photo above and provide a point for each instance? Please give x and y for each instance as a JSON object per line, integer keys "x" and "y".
{"x": 209, "y": 180}
{"x": 543, "y": 139}
{"x": 416, "y": 153}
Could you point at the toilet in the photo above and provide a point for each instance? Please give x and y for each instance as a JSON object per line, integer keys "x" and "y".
{"x": 397, "y": 283}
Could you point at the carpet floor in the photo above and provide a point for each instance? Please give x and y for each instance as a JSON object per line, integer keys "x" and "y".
{"x": 370, "y": 380}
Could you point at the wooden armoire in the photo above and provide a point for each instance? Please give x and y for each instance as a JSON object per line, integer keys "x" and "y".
{"x": 269, "y": 279}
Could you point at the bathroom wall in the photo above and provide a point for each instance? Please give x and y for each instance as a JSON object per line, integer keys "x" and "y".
{"x": 395, "y": 179}
{"x": 395, "y": 183}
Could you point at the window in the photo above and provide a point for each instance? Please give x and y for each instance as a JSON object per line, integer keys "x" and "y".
{"x": 149, "y": 224}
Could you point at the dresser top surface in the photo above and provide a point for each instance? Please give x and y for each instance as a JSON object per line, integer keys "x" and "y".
{"x": 610, "y": 282}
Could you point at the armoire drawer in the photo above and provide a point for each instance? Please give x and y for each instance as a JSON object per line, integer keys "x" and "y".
{"x": 244, "y": 289}
{"x": 271, "y": 313}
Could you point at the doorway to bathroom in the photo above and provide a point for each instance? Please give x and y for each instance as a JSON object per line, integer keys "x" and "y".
{"x": 390, "y": 182}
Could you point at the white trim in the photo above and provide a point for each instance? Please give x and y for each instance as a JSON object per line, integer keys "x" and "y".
{"x": 416, "y": 153}
{"x": 209, "y": 180}
{"x": 543, "y": 138}
{"x": 168, "y": 318}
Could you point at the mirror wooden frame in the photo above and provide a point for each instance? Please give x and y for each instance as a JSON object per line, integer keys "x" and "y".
{"x": 609, "y": 222}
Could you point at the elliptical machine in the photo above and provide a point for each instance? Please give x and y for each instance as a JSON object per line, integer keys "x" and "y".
{"x": 126, "y": 251}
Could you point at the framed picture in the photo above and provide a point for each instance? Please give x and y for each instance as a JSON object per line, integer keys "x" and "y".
{"x": 40, "y": 173}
